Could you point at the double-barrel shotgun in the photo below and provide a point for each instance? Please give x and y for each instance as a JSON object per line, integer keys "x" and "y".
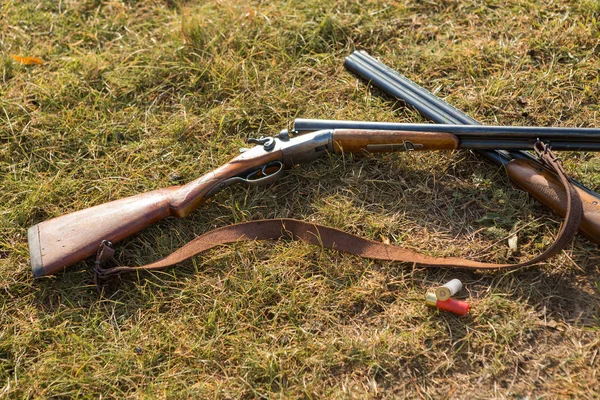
{"x": 65, "y": 240}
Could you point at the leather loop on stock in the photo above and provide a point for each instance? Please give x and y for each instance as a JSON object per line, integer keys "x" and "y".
{"x": 342, "y": 241}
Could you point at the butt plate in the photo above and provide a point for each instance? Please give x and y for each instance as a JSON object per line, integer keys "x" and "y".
{"x": 35, "y": 251}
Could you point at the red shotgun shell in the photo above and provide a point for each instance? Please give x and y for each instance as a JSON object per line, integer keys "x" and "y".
{"x": 452, "y": 305}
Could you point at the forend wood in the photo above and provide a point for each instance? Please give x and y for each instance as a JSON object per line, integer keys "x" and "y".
{"x": 379, "y": 141}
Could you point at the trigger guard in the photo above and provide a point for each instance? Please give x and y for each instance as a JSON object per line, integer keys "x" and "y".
{"x": 268, "y": 178}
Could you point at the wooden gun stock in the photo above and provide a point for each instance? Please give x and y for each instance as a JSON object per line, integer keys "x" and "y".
{"x": 545, "y": 187}
{"x": 65, "y": 240}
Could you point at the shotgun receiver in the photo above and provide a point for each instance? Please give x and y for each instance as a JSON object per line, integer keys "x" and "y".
{"x": 60, "y": 242}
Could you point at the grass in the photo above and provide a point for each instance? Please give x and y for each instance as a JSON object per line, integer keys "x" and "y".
{"x": 135, "y": 96}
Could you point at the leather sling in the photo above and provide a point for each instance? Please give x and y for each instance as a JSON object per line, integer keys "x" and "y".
{"x": 332, "y": 238}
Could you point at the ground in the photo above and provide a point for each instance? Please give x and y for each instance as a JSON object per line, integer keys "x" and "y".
{"x": 139, "y": 95}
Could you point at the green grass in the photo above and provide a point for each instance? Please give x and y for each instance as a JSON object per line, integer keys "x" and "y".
{"x": 135, "y": 96}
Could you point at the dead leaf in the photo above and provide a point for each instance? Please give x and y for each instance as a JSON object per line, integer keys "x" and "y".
{"x": 28, "y": 60}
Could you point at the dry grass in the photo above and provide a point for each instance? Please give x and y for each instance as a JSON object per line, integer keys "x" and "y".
{"x": 141, "y": 95}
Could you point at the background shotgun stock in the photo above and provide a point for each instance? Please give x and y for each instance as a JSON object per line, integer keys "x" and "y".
{"x": 523, "y": 169}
